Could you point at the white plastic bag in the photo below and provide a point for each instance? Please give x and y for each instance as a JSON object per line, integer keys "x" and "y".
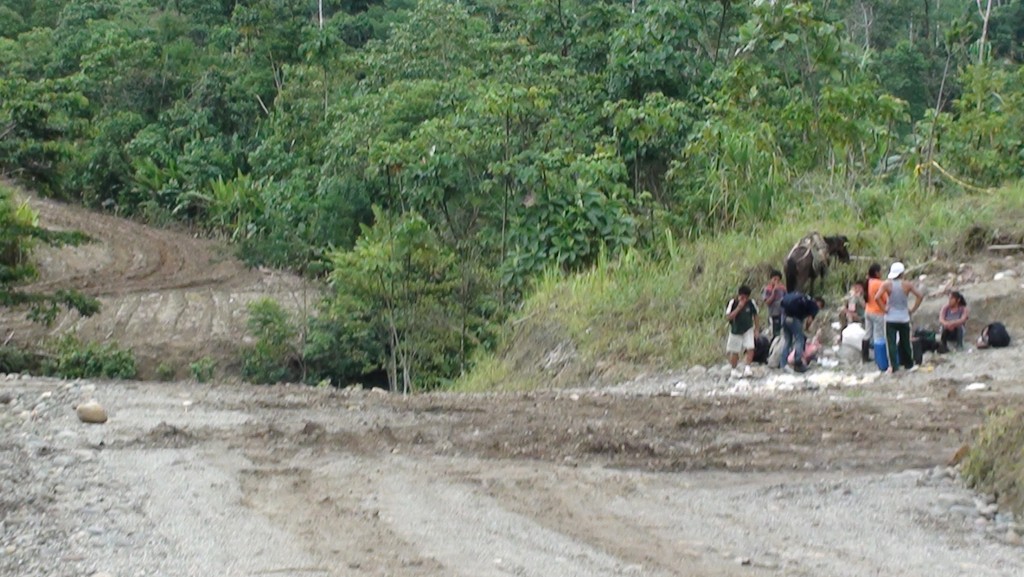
{"x": 853, "y": 334}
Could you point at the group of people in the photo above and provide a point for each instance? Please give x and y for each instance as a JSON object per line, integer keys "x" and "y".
{"x": 882, "y": 306}
{"x": 791, "y": 315}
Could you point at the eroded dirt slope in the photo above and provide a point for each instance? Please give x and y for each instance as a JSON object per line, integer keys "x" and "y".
{"x": 172, "y": 298}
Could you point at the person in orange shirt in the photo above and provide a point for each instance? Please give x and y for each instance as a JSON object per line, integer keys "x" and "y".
{"x": 874, "y": 310}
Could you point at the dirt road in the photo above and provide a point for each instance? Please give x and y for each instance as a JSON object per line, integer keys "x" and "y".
{"x": 690, "y": 473}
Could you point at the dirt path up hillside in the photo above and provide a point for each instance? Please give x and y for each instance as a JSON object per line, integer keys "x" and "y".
{"x": 172, "y": 298}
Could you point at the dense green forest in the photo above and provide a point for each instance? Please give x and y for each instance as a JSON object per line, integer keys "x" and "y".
{"x": 434, "y": 161}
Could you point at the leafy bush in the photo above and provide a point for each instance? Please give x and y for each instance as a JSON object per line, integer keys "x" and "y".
{"x": 341, "y": 348}
{"x": 74, "y": 359}
{"x": 271, "y": 358}
{"x": 14, "y": 360}
{"x": 165, "y": 372}
{"x": 202, "y": 369}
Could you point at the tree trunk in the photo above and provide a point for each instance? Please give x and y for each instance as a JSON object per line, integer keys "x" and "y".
{"x": 984, "y": 29}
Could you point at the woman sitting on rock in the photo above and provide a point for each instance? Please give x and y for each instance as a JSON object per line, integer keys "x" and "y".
{"x": 953, "y": 317}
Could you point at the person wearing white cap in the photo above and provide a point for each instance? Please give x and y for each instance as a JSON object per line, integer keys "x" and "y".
{"x": 895, "y": 293}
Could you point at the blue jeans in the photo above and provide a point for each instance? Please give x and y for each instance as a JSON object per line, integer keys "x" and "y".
{"x": 793, "y": 330}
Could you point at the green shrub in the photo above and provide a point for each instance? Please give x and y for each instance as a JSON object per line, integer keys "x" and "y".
{"x": 74, "y": 359}
{"x": 15, "y": 360}
{"x": 340, "y": 348}
{"x": 202, "y": 369}
{"x": 271, "y": 358}
{"x": 165, "y": 372}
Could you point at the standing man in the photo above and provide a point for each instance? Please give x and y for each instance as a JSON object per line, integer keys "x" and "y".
{"x": 742, "y": 315}
{"x": 798, "y": 312}
{"x": 772, "y": 295}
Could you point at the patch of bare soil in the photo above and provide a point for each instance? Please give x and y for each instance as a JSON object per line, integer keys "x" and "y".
{"x": 171, "y": 297}
{"x": 837, "y": 472}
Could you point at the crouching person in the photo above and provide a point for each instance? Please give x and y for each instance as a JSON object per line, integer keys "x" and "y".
{"x": 798, "y": 312}
{"x": 742, "y": 315}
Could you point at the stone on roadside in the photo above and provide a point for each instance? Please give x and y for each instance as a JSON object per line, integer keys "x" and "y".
{"x": 91, "y": 412}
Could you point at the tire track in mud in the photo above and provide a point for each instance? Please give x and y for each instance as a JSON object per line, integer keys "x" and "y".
{"x": 169, "y": 296}
{"x": 138, "y": 258}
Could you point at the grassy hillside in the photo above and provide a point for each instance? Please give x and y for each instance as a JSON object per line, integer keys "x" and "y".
{"x": 637, "y": 315}
{"x": 994, "y": 464}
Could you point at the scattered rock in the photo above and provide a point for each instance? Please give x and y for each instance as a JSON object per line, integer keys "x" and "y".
{"x": 976, "y": 387}
{"x": 91, "y": 412}
{"x": 6, "y": 398}
{"x": 988, "y": 511}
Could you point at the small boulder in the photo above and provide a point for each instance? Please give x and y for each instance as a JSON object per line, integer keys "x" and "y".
{"x": 91, "y": 412}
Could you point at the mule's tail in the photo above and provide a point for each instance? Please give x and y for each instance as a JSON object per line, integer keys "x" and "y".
{"x": 790, "y": 270}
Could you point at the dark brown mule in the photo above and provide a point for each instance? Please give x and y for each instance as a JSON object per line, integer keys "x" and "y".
{"x": 809, "y": 258}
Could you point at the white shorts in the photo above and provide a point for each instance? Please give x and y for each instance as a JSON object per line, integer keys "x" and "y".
{"x": 740, "y": 343}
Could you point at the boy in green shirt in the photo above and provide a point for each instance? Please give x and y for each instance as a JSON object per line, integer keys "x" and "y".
{"x": 742, "y": 315}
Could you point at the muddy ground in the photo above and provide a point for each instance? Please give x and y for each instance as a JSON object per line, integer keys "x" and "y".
{"x": 837, "y": 473}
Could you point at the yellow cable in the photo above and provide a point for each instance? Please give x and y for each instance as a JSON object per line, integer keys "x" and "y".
{"x": 920, "y": 167}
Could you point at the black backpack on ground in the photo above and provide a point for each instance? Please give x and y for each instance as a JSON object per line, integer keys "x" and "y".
{"x": 998, "y": 337}
{"x": 762, "y": 348}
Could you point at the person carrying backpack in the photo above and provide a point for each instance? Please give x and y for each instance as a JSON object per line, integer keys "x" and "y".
{"x": 798, "y": 312}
